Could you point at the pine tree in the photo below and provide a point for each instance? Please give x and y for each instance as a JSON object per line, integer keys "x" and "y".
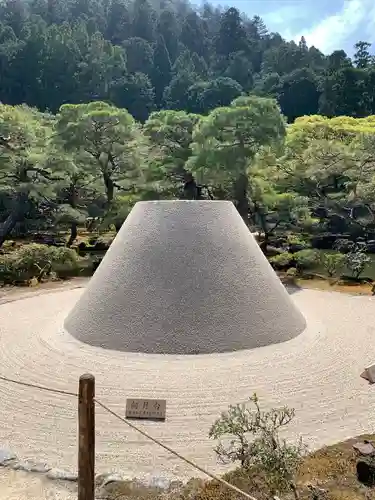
{"x": 139, "y": 55}
{"x": 232, "y": 35}
{"x": 167, "y": 27}
{"x": 362, "y": 56}
{"x": 161, "y": 74}
{"x": 135, "y": 94}
{"x": 118, "y": 22}
{"x": 143, "y": 21}
{"x": 303, "y": 45}
{"x": 193, "y": 35}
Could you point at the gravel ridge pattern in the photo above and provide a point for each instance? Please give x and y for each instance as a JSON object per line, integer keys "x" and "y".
{"x": 317, "y": 373}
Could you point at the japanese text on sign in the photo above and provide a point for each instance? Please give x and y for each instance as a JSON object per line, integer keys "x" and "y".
{"x": 153, "y": 409}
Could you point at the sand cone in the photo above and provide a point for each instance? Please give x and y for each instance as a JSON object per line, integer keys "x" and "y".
{"x": 184, "y": 277}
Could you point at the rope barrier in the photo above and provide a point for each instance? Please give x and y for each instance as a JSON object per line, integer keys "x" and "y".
{"x": 40, "y": 387}
{"x": 175, "y": 453}
{"x": 137, "y": 429}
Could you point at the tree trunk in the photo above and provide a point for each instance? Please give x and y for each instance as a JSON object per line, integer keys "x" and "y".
{"x": 74, "y": 224}
{"x": 7, "y": 227}
{"x": 265, "y": 242}
{"x": 190, "y": 190}
{"x": 73, "y": 234}
{"x": 109, "y": 188}
{"x": 240, "y": 188}
{"x": 17, "y": 213}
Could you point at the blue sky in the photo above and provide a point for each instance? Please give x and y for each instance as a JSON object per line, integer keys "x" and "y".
{"x": 326, "y": 24}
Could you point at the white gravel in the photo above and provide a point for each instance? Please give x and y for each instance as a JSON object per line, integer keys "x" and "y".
{"x": 24, "y": 486}
{"x": 317, "y": 373}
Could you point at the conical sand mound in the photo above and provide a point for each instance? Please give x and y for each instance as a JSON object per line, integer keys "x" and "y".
{"x": 184, "y": 277}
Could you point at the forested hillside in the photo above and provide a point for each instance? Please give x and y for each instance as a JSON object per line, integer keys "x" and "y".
{"x": 104, "y": 103}
{"x": 147, "y": 55}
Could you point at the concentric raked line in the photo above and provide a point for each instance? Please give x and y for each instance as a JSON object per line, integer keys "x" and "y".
{"x": 137, "y": 429}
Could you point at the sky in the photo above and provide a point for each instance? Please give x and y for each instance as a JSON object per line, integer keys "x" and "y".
{"x": 327, "y": 24}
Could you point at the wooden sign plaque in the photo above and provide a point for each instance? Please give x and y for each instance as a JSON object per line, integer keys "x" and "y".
{"x": 146, "y": 409}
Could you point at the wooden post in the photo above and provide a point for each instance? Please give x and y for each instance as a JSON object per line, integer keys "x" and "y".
{"x": 86, "y": 438}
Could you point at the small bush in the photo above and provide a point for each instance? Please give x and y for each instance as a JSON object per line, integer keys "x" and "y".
{"x": 357, "y": 261}
{"x": 332, "y": 262}
{"x": 296, "y": 243}
{"x": 282, "y": 260}
{"x": 291, "y": 272}
{"x": 343, "y": 246}
{"x": 35, "y": 261}
{"x": 306, "y": 259}
{"x": 252, "y": 438}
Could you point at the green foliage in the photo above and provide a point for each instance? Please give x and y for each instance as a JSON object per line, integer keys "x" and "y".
{"x": 75, "y": 52}
{"x": 297, "y": 241}
{"x": 281, "y": 260}
{"x": 343, "y": 245}
{"x": 136, "y": 94}
{"x": 332, "y": 262}
{"x": 123, "y": 63}
{"x": 106, "y": 138}
{"x": 357, "y": 261}
{"x": 170, "y": 140}
{"x": 26, "y": 178}
{"x": 298, "y": 93}
{"x": 162, "y": 68}
{"x": 225, "y": 141}
{"x": 331, "y": 161}
{"x": 139, "y": 55}
{"x": 205, "y": 96}
{"x": 251, "y": 436}
{"x": 306, "y": 259}
{"x": 231, "y": 36}
{"x": 36, "y": 261}
{"x": 292, "y": 272}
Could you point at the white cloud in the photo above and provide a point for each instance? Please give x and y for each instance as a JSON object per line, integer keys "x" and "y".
{"x": 330, "y": 33}
{"x": 276, "y": 18}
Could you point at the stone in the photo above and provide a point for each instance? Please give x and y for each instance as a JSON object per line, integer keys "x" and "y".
{"x": 6, "y": 456}
{"x": 158, "y": 482}
{"x": 366, "y": 471}
{"x": 364, "y": 448}
{"x": 103, "y": 480}
{"x": 369, "y": 374}
{"x": 30, "y": 466}
{"x": 63, "y": 475}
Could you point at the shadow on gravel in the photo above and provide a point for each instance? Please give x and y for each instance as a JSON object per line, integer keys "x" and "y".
{"x": 292, "y": 288}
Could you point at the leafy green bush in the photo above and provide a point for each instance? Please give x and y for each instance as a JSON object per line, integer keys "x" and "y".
{"x": 281, "y": 260}
{"x": 295, "y": 243}
{"x": 36, "y": 261}
{"x": 332, "y": 262}
{"x": 306, "y": 259}
{"x": 251, "y": 436}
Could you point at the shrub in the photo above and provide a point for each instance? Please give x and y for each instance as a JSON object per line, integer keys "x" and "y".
{"x": 342, "y": 245}
{"x": 306, "y": 259}
{"x": 356, "y": 261}
{"x": 281, "y": 260}
{"x": 254, "y": 441}
{"x": 291, "y": 272}
{"x": 35, "y": 260}
{"x": 296, "y": 243}
{"x": 332, "y": 262}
